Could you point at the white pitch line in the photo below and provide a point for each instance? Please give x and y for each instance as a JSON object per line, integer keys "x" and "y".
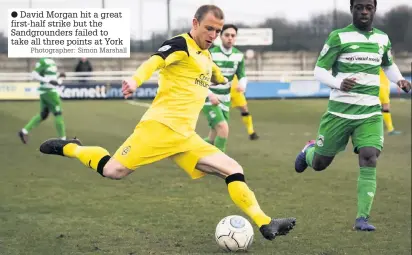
{"x": 138, "y": 104}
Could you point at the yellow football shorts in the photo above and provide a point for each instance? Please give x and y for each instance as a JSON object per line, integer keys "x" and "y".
{"x": 237, "y": 99}
{"x": 153, "y": 141}
{"x": 384, "y": 93}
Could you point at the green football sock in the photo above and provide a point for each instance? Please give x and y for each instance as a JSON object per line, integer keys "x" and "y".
{"x": 310, "y": 153}
{"x": 366, "y": 190}
{"x": 220, "y": 143}
{"x": 61, "y": 129}
{"x": 34, "y": 122}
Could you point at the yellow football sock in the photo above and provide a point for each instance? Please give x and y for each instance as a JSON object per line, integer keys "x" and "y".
{"x": 387, "y": 118}
{"x": 90, "y": 156}
{"x": 247, "y": 120}
{"x": 245, "y": 199}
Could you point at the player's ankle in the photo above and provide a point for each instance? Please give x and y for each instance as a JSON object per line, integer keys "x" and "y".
{"x": 70, "y": 150}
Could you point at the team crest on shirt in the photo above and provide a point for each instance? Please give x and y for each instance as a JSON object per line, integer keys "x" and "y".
{"x": 164, "y": 48}
{"x": 381, "y": 50}
{"x": 126, "y": 150}
{"x": 320, "y": 141}
{"x": 389, "y": 55}
{"x": 325, "y": 50}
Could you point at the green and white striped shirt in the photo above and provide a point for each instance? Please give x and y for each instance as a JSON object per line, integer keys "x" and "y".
{"x": 47, "y": 68}
{"x": 352, "y": 53}
{"x": 230, "y": 63}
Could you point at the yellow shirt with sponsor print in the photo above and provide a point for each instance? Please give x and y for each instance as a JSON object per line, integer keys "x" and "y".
{"x": 185, "y": 74}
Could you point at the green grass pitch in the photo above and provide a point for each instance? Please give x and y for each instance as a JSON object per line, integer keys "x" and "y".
{"x": 54, "y": 205}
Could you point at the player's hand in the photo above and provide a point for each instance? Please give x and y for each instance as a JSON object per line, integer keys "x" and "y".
{"x": 222, "y": 82}
{"x": 240, "y": 89}
{"x": 347, "y": 84}
{"x": 213, "y": 99}
{"x": 128, "y": 87}
{"x": 404, "y": 85}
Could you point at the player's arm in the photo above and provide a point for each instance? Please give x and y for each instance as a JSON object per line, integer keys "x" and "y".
{"x": 217, "y": 76}
{"x": 326, "y": 59}
{"x": 38, "y": 70}
{"x": 392, "y": 71}
{"x": 170, "y": 52}
{"x": 241, "y": 75}
{"x": 147, "y": 68}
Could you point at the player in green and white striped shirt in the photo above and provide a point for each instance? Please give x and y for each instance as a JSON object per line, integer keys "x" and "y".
{"x": 45, "y": 71}
{"x": 231, "y": 62}
{"x": 355, "y": 54}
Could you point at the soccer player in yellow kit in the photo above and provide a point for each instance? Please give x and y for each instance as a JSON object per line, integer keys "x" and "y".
{"x": 167, "y": 129}
{"x": 384, "y": 94}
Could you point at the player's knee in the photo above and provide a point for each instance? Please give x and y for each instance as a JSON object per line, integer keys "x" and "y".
{"x": 237, "y": 168}
{"x": 44, "y": 114}
{"x": 222, "y": 129}
{"x": 368, "y": 157}
{"x": 114, "y": 170}
{"x": 230, "y": 166}
{"x": 114, "y": 173}
{"x": 319, "y": 164}
{"x": 385, "y": 108}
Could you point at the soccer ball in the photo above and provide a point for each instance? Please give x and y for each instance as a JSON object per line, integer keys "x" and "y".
{"x": 234, "y": 233}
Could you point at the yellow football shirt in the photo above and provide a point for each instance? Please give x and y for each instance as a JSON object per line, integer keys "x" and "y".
{"x": 185, "y": 74}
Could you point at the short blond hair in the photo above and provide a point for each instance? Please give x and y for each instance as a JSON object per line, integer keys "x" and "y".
{"x": 205, "y": 9}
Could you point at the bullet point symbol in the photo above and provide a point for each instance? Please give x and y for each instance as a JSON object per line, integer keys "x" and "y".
{"x": 14, "y": 14}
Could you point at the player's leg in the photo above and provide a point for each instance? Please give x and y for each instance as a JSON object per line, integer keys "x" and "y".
{"x": 204, "y": 158}
{"x": 368, "y": 142}
{"x": 387, "y": 118}
{"x": 34, "y": 121}
{"x": 248, "y": 122}
{"x": 211, "y": 136}
{"x": 54, "y": 104}
{"x": 222, "y": 134}
{"x": 333, "y": 136}
{"x": 384, "y": 97}
{"x": 94, "y": 157}
{"x": 150, "y": 142}
{"x": 238, "y": 100}
{"x": 217, "y": 121}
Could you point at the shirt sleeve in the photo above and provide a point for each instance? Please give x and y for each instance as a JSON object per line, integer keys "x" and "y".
{"x": 173, "y": 50}
{"x": 217, "y": 76}
{"x": 146, "y": 70}
{"x": 330, "y": 51}
{"x": 240, "y": 72}
{"x": 387, "y": 55}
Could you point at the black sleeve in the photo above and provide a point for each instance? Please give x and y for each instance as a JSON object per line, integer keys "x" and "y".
{"x": 177, "y": 43}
